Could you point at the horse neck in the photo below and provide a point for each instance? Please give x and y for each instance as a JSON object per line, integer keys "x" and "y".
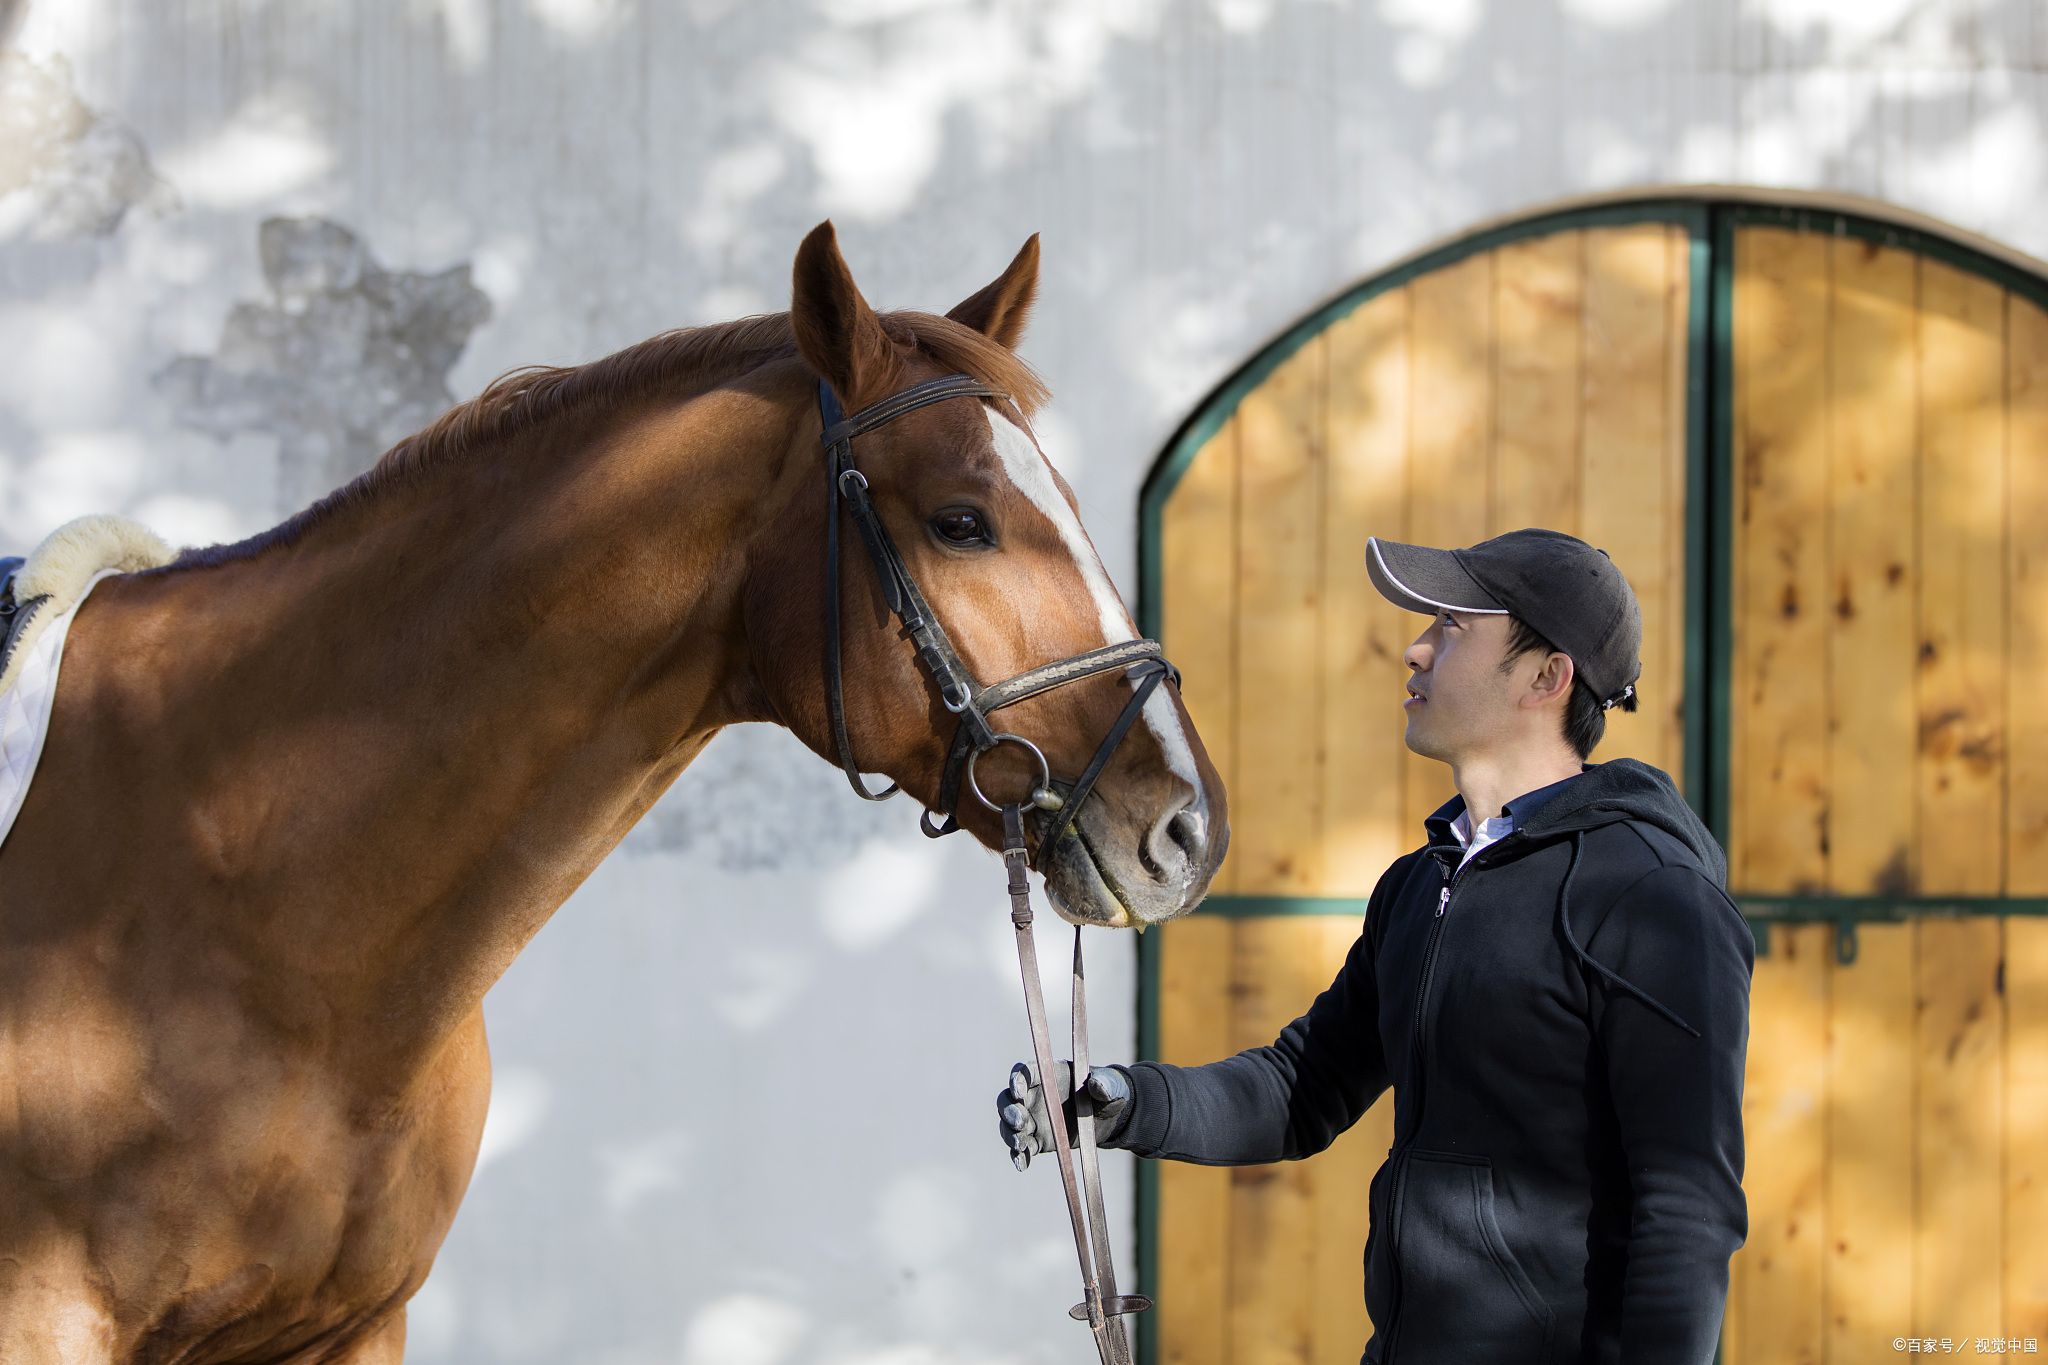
{"x": 485, "y": 676}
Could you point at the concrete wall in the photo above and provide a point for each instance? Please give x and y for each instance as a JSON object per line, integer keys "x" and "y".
{"x": 744, "y": 1076}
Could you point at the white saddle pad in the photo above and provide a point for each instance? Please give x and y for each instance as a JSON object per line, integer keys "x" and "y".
{"x": 59, "y": 572}
{"x": 25, "y": 708}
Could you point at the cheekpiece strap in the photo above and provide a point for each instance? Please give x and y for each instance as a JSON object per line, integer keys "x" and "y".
{"x": 956, "y": 684}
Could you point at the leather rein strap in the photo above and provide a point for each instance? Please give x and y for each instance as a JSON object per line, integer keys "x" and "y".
{"x": 1144, "y": 668}
{"x": 1101, "y": 1307}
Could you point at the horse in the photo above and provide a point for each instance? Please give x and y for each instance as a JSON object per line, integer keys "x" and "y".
{"x": 304, "y": 798}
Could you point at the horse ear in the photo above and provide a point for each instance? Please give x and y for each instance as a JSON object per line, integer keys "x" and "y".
{"x": 835, "y": 329}
{"x": 999, "y": 311}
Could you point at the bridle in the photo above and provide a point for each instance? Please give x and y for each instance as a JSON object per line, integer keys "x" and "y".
{"x": 1143, "y": 667}
{"x": 959, "y": 692}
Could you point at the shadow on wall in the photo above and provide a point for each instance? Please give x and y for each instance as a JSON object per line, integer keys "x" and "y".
{"x": 1204, "y": 170}
{"x": 343, "y": 362}
{"x": 66, "y": 170}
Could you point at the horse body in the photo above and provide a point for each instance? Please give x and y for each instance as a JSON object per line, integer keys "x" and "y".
{"x": 303, "y": 801}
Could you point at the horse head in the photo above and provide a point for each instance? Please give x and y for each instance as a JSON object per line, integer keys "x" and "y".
{"x": 990, "y": 533}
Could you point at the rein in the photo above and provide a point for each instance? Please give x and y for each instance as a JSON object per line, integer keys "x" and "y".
{"x": 1143, "y": 667}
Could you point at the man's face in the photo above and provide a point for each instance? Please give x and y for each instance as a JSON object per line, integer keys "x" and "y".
{"x": 1459, "y": 702}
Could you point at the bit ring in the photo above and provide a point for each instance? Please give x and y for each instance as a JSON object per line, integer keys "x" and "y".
{"x": 1042, "y": 796}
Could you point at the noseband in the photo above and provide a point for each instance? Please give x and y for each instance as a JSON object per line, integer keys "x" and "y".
{"x": 959, "y": 692}
{"x": 1101, "y": 1307}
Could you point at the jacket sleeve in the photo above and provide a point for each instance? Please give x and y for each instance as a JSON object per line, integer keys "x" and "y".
{"x": 1287, "y": 1100}
{"x": 1678, "y": 1101}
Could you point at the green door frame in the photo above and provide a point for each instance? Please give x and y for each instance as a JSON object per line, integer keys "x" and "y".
{"x": 1711, "y": 215}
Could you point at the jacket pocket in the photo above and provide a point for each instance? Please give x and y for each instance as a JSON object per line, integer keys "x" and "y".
{"x": 1464, "y": 1297}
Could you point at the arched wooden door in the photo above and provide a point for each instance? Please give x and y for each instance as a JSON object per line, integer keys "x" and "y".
{"x": 1790, "y": 469}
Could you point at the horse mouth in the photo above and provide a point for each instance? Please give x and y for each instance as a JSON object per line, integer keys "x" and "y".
{"x": 1084, "y": 889}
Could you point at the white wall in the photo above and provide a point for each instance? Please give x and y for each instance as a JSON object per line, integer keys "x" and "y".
{"x": 743, "y": 1112}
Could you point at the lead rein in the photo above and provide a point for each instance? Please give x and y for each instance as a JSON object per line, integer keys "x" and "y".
{"x": 1091, "y": 1171}
{"x": 1101, "y": 1306}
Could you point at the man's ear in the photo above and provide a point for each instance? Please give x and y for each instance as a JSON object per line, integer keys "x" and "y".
{"x": 1000, "y": 310}
{"x": 835, "y": 329}
{"x": 1553, "y": 680}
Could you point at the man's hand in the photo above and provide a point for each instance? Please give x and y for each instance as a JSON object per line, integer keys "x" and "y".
{"x": 1021, "y": 1107}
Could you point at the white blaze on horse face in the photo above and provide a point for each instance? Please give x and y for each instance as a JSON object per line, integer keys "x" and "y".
{"x": 1028, "y": 470}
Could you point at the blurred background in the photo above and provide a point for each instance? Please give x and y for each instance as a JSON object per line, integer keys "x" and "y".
{"x": 742, "y": 1113}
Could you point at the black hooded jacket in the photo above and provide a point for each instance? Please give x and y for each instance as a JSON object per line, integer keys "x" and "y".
{"x": 1564, "y": 1025}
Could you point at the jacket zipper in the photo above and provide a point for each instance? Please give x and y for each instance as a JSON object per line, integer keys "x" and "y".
{"x": 1400, "y": 1193}
{"x": 1429, "y": 951}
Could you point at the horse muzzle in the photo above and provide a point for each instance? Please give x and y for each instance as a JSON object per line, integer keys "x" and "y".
{"x": 1105, "y": 872}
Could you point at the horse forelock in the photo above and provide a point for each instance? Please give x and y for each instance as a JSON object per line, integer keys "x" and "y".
{"x": 688, "y": 358}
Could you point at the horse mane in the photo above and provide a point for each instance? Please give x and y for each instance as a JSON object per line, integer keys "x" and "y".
{"x": 532, "y": 395}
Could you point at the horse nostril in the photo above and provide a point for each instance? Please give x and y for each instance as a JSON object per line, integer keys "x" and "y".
{"x": 1176, "y": 845}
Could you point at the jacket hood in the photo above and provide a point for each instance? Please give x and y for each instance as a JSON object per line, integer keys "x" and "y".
{"x": 1626, "y": 789}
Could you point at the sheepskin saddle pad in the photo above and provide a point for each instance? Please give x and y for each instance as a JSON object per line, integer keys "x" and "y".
{"x": 39, "y": 596}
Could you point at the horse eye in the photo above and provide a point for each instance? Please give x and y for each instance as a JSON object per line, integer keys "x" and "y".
{"x": 959, "y": 528}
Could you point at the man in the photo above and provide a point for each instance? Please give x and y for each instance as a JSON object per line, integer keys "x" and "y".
{"x": 1555, "y": 985}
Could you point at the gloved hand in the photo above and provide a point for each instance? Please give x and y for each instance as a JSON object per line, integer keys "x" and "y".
{"x": 1021, "y": 1107}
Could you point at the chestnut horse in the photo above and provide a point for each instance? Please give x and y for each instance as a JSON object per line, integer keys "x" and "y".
{"x": 305, "y": 798}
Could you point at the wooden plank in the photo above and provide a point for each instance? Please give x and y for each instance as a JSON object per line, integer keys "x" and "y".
{"x": 1198, "y": 610}
{"x": 1870, "y": 720}
{"x": 1536, "y": 384}
{"x": 2026, "y": 1126}
{"x": 1342, "y": 1176}
{"x": 1962, "y": 569}
{"x": 1449, "y": 474}
{"x": 1363, "y": 633}
{"x": 1671, "y": 640}
{"x": 1959, "y": 1214}
{"x": 1778, "y": 801}
{"x": 1628, "y": 485}
{"x": 1277, "y": 973}
{"x": 1196, "y": 956}
{"x": 1276, "y": 810}
{"x": 1198, "y": 533}
{"x": 1870, "y": 1147}
{"x": 2027, "y": 652}
{"x": 1784, "y": 1122}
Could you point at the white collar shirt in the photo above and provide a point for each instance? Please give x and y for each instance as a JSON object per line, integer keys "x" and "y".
{"x": 1491, "y": 830}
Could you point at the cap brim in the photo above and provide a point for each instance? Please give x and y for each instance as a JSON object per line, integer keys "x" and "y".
{"x": 1420, "y": 579}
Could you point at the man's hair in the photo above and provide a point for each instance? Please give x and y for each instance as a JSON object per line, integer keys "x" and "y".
{"x": 1585, "y": 719}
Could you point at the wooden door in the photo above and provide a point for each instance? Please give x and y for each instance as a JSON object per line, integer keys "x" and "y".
{"x": 1538, "y": 381}
{"x": 1888, "y": 752}
{"x": 1861, "y": 606}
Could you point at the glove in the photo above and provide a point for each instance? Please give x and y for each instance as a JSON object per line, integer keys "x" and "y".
{"x": 1021, "y": 1107}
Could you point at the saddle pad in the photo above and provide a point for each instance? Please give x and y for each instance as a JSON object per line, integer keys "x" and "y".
{"x": 25, "y": 708}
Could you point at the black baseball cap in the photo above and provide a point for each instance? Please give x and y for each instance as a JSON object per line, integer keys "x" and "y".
{"x": 1570, "y": 593}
